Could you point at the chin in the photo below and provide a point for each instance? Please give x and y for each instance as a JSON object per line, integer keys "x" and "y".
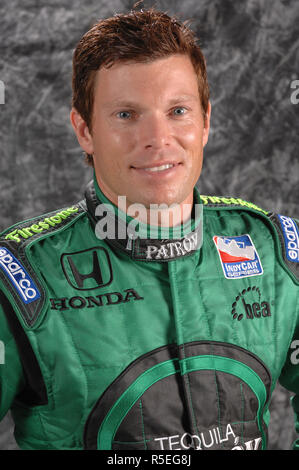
{"x": 162, "y": 199}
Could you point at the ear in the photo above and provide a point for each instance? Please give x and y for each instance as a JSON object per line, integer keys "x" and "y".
{"x": 206, "y": 129}
{"x": 82, "y": 132}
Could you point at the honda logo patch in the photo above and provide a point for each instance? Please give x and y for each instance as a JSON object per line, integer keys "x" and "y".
{"x": 87, "y": 269}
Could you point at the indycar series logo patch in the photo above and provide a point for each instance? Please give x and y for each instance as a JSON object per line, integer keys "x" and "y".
{"x": 238, "y": 256}
{"x": 18, "y": 276}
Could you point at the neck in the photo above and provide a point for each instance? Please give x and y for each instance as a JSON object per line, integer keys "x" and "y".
{"x": 158, "y": 214}
{"x": 142, "y": 241}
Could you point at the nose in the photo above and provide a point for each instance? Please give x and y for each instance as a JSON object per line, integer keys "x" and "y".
{"x": 156, "y": 132}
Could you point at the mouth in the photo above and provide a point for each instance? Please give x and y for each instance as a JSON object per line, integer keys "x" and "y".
{"x": 164, "y": 168}
{"x": 159, "y": 167}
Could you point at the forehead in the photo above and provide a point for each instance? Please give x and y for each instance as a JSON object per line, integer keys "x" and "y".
{"x": 161, "y": 78}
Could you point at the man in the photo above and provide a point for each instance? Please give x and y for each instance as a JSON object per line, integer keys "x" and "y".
{"x": 163, "y": 330}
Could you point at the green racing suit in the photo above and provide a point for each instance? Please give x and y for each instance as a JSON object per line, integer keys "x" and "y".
{"x": 159, "y": 343}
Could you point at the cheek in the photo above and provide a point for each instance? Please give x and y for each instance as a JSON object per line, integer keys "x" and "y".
{"x": 192, "y": 142}
{"x": 192, "y": 136}
{"x": 115, "y": 140}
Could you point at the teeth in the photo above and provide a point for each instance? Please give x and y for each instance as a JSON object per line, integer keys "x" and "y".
{"x": 159, "y": 168}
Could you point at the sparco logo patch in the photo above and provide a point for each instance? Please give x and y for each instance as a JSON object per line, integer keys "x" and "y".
{"x": 18, "y": 276}
{"x": 291, "y": 237}
{"x": 238, "y": 256}
{"x": 248, "y": 304}
{"x": 87, "y": 269}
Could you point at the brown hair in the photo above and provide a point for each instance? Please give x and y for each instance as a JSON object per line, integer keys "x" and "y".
{"x": 138, "y": 36}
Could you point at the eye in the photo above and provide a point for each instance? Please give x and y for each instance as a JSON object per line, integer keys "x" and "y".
{"x": 124, "y": 114}
{"x": 179, "y": 111}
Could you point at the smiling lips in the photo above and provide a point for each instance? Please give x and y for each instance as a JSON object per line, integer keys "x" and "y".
{"x": 157, "y": 169}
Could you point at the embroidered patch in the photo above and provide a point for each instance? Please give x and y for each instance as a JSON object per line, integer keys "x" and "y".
{"x": 238, "y": 256}
{"x": 18, "y": 276}
{"x": 22, "y": 233}
{"x": 291, "y": 237}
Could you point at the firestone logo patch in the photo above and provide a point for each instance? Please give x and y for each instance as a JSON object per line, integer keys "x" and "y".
{"x": 238, "y": 256}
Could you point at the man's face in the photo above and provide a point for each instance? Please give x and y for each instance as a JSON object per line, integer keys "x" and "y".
{"x": 148, "y": 131}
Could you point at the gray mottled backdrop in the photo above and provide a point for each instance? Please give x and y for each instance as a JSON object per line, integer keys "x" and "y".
{"x": 251, "y": 47}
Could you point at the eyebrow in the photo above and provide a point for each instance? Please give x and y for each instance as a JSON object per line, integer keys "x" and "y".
{"x": 132, "y": 104}
{"x": 182, "y": 98}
